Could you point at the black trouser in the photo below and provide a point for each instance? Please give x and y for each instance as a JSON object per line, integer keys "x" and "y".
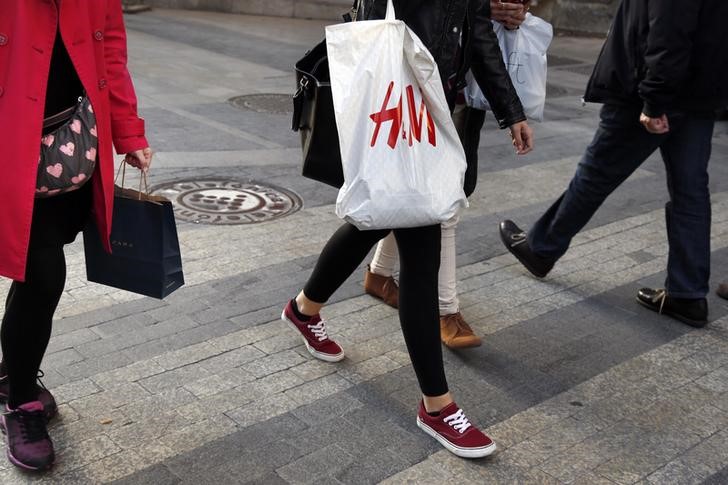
{"x": 419, "y": 255}
{"x": 30, "y": 305}
{"x": 620, "y": 146}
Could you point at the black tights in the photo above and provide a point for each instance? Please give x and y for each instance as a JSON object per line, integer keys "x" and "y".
{"x": 30, "y": 305}
{"x": 26, "y": 327}
{"x": 419, "y": 256}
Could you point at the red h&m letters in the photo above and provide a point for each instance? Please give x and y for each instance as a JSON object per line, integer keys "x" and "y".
{"x": 395, "y": 116}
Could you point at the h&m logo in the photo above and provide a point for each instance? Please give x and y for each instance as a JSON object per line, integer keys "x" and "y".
{"x": 395, "y": 116}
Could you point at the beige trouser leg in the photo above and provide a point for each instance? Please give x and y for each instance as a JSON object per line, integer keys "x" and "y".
{"x": 385, "y": 256}
{"x": 385, "y": 260}
{"x": 447, "y": 279}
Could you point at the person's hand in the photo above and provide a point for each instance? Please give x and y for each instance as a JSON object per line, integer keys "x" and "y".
{"x": 522, "y": 136}
{"x": 515, "y": 20}
{"x": 657, "y": 126}
{"x": 504, "y": 12}
{"x": 141, "y": 159}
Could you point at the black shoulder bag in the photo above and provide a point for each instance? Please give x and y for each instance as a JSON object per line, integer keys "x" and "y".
{"x": 313, "y": 114}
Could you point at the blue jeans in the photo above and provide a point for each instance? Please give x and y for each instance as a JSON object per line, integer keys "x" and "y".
{"x": 620, "y": 145}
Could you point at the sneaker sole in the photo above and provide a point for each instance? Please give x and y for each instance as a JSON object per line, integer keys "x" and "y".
{"x": 454, "y": 449}
{"x": 19, "y": 463}
{"x": 676, "y": 316}
{"x": 319, "y": 355}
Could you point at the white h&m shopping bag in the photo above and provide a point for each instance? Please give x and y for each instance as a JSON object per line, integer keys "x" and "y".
{"x": 524, "y": 54}
{"x": 402, "y": 158}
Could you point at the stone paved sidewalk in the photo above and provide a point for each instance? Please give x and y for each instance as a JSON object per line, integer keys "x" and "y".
{"x": 575, "y": 381}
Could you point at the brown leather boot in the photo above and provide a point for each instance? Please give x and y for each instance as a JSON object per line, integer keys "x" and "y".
{"x": 455, "y": 333}
{"x": 383, "y": 287}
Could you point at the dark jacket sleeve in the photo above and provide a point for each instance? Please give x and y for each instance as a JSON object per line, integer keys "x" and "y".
{"x": 486, "y": 62}
{"x": 672, "y": 27}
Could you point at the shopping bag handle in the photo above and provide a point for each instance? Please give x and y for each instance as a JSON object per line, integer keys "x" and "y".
{"x": 142, "y": 179}
{"x": 390, "y": 11}
{"x": 351, "y": 15}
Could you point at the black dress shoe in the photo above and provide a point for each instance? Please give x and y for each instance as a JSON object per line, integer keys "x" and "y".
{"x": 515, "y": 241}
{"x": 722, "y": 290}
{"x": 693, "y": 311}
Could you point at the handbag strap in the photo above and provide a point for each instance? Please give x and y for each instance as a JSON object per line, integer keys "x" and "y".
{"x": 57, "y": 118}
{"x": 62, "y": 116}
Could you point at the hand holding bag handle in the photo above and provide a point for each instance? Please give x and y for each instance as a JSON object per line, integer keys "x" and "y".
{"x": 142, "y": 180}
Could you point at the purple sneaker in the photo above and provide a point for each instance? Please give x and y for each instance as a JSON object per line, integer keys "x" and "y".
{"x": 50, "y": 408}
{"x": 29, "y": 445}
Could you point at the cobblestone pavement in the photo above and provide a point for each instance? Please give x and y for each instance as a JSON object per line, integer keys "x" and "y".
{"x": 575, "y": 381}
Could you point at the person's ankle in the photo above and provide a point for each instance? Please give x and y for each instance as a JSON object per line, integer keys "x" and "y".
{"x": 298, "y": 313}
{"x": 305, "y": 307}
{"x": 434, "y": 404}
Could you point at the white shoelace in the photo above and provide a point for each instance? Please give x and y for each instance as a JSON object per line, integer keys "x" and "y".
{"x": 458, "y": 421}
{"x": 319, "y": 331}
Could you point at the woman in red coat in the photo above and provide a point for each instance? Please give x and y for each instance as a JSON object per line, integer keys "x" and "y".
{"x": 65, "y": 97}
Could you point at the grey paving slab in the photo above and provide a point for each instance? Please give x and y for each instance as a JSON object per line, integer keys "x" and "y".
{"x": 157, "y": 475}
{"x": 717, "y": 478}
{"x": 379, "y": 415}
{"x": 233, "y": 44}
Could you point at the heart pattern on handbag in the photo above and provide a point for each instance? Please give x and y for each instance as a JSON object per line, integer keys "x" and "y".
{"x": 68, "y": 148}
{"x": 55, "y": 170}
{"x": 68, "y": 154}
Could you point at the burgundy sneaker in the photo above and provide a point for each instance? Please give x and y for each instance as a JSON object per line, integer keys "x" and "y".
{"x": 29, "y": 445}
{"x": 50, "y": 408}
{"x": 453, "y": 430}
{"x": 314, "y": 336}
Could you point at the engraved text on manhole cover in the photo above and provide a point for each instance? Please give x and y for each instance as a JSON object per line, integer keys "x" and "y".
{"x": 218, "y": 201}
{"x": 264, "y": 103}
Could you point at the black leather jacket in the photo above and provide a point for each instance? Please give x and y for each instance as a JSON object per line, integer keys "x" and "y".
{"x": 439, "y": 24}
{"x": 663, "y": 56}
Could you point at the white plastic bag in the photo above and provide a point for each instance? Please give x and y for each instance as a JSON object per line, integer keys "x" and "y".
{"x": 402, "y": 158}
{"x": 524, "y": 54}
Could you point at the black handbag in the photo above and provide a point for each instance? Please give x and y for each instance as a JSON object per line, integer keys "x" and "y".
{"x": 313, "y": 117}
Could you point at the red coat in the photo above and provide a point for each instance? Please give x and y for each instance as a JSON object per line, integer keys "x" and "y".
{"x": 93, "y": 32}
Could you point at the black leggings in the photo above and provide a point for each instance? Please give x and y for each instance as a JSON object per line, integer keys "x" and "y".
{"x": 419, "y": 256}
{"x": 30, "y": 305}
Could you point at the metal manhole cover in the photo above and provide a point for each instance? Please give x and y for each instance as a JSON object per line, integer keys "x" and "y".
{"x": 264, "y": 103}
{"x": 219, "y": 201}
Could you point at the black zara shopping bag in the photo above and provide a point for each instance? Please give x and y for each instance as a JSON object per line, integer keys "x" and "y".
{"x": 145, "y": 255}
